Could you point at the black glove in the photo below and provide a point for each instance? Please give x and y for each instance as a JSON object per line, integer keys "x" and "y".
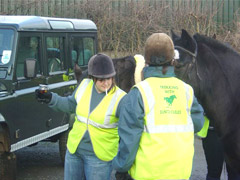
{"x": 123, "y": 176}
{"x": 43, "y": 97}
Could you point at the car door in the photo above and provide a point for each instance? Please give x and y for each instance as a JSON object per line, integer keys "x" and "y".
{"x": 29, "y": 118}
{"x": 55, "y": 47}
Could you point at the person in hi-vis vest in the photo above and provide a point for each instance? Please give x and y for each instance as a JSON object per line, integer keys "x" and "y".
{"x": 93, "y": 140}
{"x": 158, "y": 119}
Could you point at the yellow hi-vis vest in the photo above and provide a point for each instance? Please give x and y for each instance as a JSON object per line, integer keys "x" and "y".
{"x": 166, "y": 147}
{"x": 101, "y": 123}
{"x": 204, "y": 131}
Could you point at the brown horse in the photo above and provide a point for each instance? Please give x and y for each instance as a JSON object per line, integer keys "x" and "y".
{"x": 125, "y": 72}
{"x": 213, "y": 70}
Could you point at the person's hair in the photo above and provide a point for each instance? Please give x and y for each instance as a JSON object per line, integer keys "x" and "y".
{"x": 113, "y": 86}
{"x": 165, "y": 69}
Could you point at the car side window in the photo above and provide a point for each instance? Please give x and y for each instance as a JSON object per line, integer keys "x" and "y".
{"x": 28, "y": 48}
{"x": 82, "y": 50}
{"x": 55, "y": 52}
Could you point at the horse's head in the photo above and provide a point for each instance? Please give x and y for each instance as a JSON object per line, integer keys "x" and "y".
{"x": 185, "y": 65}
{"x": 125, "y": 69}
{"x": 203, "y": 61}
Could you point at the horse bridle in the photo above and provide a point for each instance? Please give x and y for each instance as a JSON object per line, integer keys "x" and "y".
{"x": 194, "y": 56}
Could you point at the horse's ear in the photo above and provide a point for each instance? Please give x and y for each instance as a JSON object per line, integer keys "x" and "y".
{"x": 174, "y": 35}
{"x": 77, "y": 72}
{"x": 188, "y": 41}
{"x": 185, "y": 35}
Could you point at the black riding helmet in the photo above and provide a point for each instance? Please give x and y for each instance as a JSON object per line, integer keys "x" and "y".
{"x": 101, "y": 66}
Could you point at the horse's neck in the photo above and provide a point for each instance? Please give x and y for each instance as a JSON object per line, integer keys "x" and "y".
{"x": 211, "y": 89}
{"x": 220, "y": 90}
{"x": 231, "y": 68}
{"x": 225, "y": 60}
{"x": 226, "y": 68}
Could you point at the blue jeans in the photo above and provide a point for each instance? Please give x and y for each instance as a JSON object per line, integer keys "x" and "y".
{"x": 79, "y": 166}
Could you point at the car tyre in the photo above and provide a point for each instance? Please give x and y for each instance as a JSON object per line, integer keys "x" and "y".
{"x": 8, "y": 166}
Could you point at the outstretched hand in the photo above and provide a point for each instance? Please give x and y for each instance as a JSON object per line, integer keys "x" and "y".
{"x": 43, "y": 97}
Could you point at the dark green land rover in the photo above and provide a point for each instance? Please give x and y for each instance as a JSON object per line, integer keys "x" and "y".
{"x": 38, "y": 50}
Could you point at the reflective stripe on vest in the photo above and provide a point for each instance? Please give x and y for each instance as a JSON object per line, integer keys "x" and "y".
{"x": 166, "y": 146}
{"x": 79, "y": 94}
{"x": 101, "y": 122}
{"x": 203, "y": 132}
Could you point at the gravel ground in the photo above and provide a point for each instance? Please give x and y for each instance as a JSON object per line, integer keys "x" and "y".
{"x": 42, "y": 162}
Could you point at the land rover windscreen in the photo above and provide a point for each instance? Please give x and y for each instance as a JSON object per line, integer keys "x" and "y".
{"x": 6, "y": 48}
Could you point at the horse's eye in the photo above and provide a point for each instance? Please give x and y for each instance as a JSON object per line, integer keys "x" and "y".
{"x": 176, "y": 54}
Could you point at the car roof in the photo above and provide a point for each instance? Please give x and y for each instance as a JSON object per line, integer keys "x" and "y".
{"x": 47, "y": 23}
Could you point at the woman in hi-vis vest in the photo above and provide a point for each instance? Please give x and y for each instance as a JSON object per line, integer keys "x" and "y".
{"x": 158, "y": 120}
{"x": 93, "y": 140}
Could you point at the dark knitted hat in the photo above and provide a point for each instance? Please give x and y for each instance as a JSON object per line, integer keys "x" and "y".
{"x": 159, "y": 49}
{"x": 101, "y": 66}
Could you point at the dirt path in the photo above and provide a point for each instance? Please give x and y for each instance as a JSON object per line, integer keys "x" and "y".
{"x": 40, "y": 162}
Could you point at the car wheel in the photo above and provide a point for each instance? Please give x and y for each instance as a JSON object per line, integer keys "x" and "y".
{"x": 8, "y": 166}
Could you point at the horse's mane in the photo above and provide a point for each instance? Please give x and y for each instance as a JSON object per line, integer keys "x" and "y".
{"x": 222, "y": 47}
{"x": 130, "y": 58}
{"x": 222, "y": 54}
{"x": 128, "y": 64}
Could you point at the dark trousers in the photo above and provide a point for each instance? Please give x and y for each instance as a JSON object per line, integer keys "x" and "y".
{"x": 214, "y": 156}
